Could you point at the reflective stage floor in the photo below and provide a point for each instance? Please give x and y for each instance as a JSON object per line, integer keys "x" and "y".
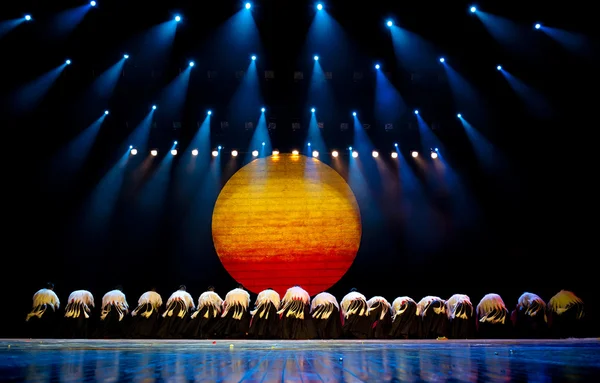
{"x": 300, "y": 361}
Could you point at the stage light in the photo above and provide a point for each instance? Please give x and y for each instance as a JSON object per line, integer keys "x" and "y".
{"x": 68, "y": 62}
{"x": 414, "y": 154}
{"x": 459, "y": 115}
{"x": 275, "y": 152}
{"x": 350, "y": 148}
{"x": 315, "y": 153}
{"x": 255, "y": 153}
{"x": 416, "y": 111}
{"x": 473, "y": 9}
{"x": 133, "y": 151}
{"x": 434, "y": 155}
{"x": 125, "y": 56}
{"x": 248, "y": 5}
{"x": 394, "y": 155}
{"x": 377, "y": 66}
{"x": 389, "y": 23}
{"x": 209, "y": 112}
{"x": 395, "y": 144}
{"x": 316, "y": 58}
{"x": 354, "y": 154}
{"x": 173, "y": 152}
{"x": 253, "y": 58}
{"x": 174, "y": 142}
{"x": 313, "y": 110}
{"x": 154, "y": 152}
{"x": 27, "y": 17}
{"x": 219, "y": 147}
{"x": 192, "y": 63}
{"x": 93, "y": 3}
{"x": 335, "y": 153}
{"x": 234, "y": 153}
{"x": 308, "y": 144}
{"x": 153, "y": 107}
{"x": 319, "y": 7}
{"x": 499, "y": 67}
{"x": 195, "y": 152}
{"x": 106, "y": 112}
{"x": 537, "y": 26}
{"x": 215, "y": 153}
{"x": 177, "y": 18}
{"x": 442, "y": 59}
{"x": 375, "y": 154}
{"x": 354, "y": 114}
{"x": 262, "y": 110}
{"x": 263, "y": 144}
{"x": 295, "y": 152}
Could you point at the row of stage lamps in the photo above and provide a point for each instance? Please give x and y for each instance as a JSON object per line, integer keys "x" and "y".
{"x": 335, "y": 154}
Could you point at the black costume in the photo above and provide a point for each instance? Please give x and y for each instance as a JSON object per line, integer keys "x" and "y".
{"x": 529, "y": 318}
{"x": 492, "y": 318}
{"x": 356, "y": 316}
{"x": 175, "y": 317}
{"x": 203, "y": 320}
{"x": 461, "y": 316}
{"x": 265, "y": 320}
{"x": 405, "y": 322}
{"x": 295, "y": 319}
{"x": 380, "y": 316}
{"x": 567, "y": 314}
{"x": 434, "y": 319}
{"x": 235, "y": 319}
{"x": 41, "y": 321}
{"x": 145, "y": 318}
{"x": 77, "y": 314}
{"x": 326, "y": 315}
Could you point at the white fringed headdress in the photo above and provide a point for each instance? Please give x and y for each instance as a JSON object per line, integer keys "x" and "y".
{"x": 151, "y": 298}
{"x": 399, "y": 305}
{"x": 211, "y": 300}
{"x": 532, "y": 304}
{"x": 322, "y": 305}
{"x": 383, "y": 302}
{"x": 452, "y": 304}
{"x": 563, "y": 301}
{"x": 262, "y": 300}
{"x": 290, "y": 302}
{"x": 43, "y": 299}
{"x": 79, "y": 303}
{"x": 181, "y": 299}
{"x": 423, "y": 305}
{"x": 116, "y": 299}
{"x": 492, "y": 309}
{"x": 360, "y": 309}
{"x": 239, "y": 299}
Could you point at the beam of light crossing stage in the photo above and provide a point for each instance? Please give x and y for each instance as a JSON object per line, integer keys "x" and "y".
{"x": 100, "y": 206}
{"x": 173, "y": 96}
{"x": 412, "y": 51}
{"x": 66, "y": 21}
{"x": 488, "y": 156}
{"x": 261, "y": 140}
{"x": 319, "y": 91}
{"x": 429, "y": 140}
{"x": 104, "y": 85}
{"x": 30, "y": 95}
{"x": 534, "y": 101}
{"x": 155, "y": 45}
{"x": 7, "y": 26}
{"x": 247, "y": 99}
{"x": 140, "y": 136}
{"x": 326, "y": 35}
{"x": 389, "y": 104}
{"x": 511, "y": 35}
{"x": 314, "y": 136}
{"x": 575, "y": 43}
{"x": 358, "y": 167}
{"x": 466, "y": 96}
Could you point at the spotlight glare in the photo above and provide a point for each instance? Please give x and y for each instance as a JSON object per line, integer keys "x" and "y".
{"x": 434, "y": 155}
{"x": 174, "y": 142}
{"x": 209, "y": 112}
{"x": 173, "y": 152}
{"x": 126, "y": 56}
{"x": 442, "y": 59}
{"x": 389, "y": 23}
{"x": 219, "y": 147}
{"x": 414, "y": 154}
{"x": 154, "y": 152}
{"x": 253, "y": 58}
{"x": 375, "y": 154}
{"x": 133, "y": 151}
{"x": 316, "y": 58}
{"x": 416, "y": 111}
{"x": 262, "y": 110}
{"x": 106, "y": 112}
{"x": 377, "y": 66}
{"x": 28, "y": 17}
{"x": 295, "y": 152}
{"x": 473, "y": 9}
{"x": 354, "y": 154}
{"x": 192, "y": 63}
{"x": 234, "y": 153}
{"x": 263, "y": 144}
{"x": 308, "y": 144}
{"x": 153, "y": 107}
{"x": 177, "y": 18}
{"x": 313, "y": 110}
{"x": 354, "y": 114}
{"x": 499, "y": 67}
{"x": 395, "y": 144}
{"x": 255, "y": 153}
{"x": 315, "y": 154}
{"x": 248, "y": 5}
{"x": 68, "y": 62}
{"x": 195, "y": 152}
{"x": 335, "y": 153}
{"x": 92, "y": 3}
{"x": 320, "y": 7}
{"x": 459, "y": 115}
{"x": 394, "y": 155}
{"x": 215, "y": 153}
{"x": 537, "y": 26}
{"x": 275, "y": 152}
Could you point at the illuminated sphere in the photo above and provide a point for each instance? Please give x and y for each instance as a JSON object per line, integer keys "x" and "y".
{"x": 134, "y": 151}
{"x": 394, "y": 155}
{"x": 255, "y": 153}
{"x": 234, "y": 153}
{"x": 315, "y": 153}
{"x": 434, "y": 155}
{"x": 286, "y": 220}
{"x": 295, "y": 152}
{"x": 375, "y": 154}
{"x": 415, "y": 154}
{"x": 174, "y": 152}
{"x": 215, "y": 153}
{"x": 335, "y": 153}
{"x": 154, "y": 153}
{"x": 354, "y": 154}
{"x": 195, "y": 152}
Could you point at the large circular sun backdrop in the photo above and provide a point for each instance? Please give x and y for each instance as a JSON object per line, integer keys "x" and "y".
{"x": 286, "y": 220}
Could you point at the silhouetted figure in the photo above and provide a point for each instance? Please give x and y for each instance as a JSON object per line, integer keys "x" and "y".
{"x": 566, "y": 315}
{"x": 78, "y": 314}
{"x": 235, "y": 319}
{"x": 264, "y": 323}
{"x": 529, "y": 318}
{"x": 461, "y": 317}
{"x": 326, "y": 315}
{"x": 42, "y": 320}
{"x": 492, "y": 318}
{"x": 295, "y": 319}
{"x": 145, "y": 318}
{"x": 405, "y": 321}
{"x": 175, "y": 318}
{"x": 114, "y": 314}
{"x": 204, "y": 319}
{"x": 355, "y": 312}
{"x": 380, "y": 316}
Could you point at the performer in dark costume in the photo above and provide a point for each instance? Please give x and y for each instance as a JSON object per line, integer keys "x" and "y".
{"x": 77, "y": 314}
{"x": 326, "y": 315}
{"x": 567, "y": 315}
{"x": 296, "y": 322}
{"x": 145, "y": 317}
{"x": 380, "y": 316}
{"x": 265, "y": 320}
{"x": 235, "y": 320}
{"x": 405, "y": 322}
{"x": 355, "y": 311}
{"x": 434, "y": 320}
{"x": 41, "y": 321}
{"x": 461, "y": 316}
{"x": 529, "y": 318}
{"x": 175, "y": 318}
{"x": 113, "y": 316}
{"x": 492, "y": 318}
{"x": 203, "y": 320}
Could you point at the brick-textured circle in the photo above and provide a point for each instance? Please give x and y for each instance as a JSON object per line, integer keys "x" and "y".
{"x": 286, "y": 220}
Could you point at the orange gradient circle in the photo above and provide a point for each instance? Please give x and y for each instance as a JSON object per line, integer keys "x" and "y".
{"x": 286, "y": 220}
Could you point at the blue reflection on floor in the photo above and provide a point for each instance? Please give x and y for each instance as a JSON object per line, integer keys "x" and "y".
{"x": 300, "y": 361}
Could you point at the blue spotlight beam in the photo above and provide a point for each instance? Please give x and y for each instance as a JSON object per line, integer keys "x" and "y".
{"x": 247, "y": 99}
{"x": 572, "y": 42}
{"x": 534, "y": 101}
{"x": 319, "y": 91}
{"x": 140, "y": 136}
{"x": 488, "y": 156}
{"x": 412, "y": 51}
{"x": 155, "y": 44}
{"x": 7, "y": 26}
{"x": 314, "y": 137}
{"x": 513, "y": 36}
{"x": 327, "y": 35}
{"x": 389, "y": 104}
{"x": 30, "y": 95}
{"x": 173, "y": 96}
{"x": 261, "y": 140}
{"x": 466, "y": 96}
{"x": 67, "y": 21}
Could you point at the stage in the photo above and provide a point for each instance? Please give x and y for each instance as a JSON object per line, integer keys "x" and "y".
{"x": 300, "y": 361}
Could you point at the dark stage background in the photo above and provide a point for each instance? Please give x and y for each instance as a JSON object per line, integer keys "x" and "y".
{"x": 508, "y": 218}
